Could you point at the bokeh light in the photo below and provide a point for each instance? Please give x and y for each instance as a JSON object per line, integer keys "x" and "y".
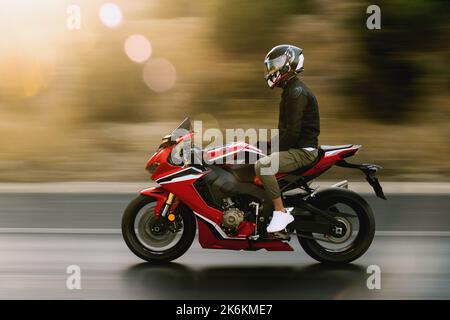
{"x": 138, "y": 48}
{"x": 80, "y": 84}
{"x": 111, "y": 15}
{"x": 159, "y": 75}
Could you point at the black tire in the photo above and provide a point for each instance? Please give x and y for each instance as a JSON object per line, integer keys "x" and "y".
{"x": 324, "y": 200}
{"x": 139, "y": 249}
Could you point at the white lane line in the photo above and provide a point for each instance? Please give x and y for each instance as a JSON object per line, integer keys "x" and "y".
{"x": 118, "y": 231}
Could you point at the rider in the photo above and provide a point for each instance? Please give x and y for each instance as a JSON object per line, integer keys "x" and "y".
{"x": 298, "y": 124}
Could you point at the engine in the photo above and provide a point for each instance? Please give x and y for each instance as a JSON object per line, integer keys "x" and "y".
{"x": 236, "y": 210}
{"x": 234, "y": 196}
{"x": 232, "y": 217}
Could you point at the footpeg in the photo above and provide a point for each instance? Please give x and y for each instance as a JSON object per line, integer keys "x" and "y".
{"x": 254, "y": 237}
{"x": 282, "y": 235}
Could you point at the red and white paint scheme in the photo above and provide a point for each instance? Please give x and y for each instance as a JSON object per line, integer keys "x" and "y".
{"x": 231, "y": 152}
{"x": 227, "y": 200}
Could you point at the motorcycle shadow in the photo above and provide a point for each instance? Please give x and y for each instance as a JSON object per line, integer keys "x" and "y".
{"x": 316, "y": 281}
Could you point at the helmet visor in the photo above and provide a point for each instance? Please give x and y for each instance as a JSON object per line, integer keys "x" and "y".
{"x": 274, "y": 64}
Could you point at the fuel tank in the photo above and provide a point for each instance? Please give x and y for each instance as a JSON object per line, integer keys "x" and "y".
{"x": 233, "y": 153}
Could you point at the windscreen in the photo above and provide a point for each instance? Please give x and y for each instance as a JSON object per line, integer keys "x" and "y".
{"x": 182, "y": 129}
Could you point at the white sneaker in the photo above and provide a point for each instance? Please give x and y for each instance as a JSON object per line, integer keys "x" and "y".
{"x": 280, "y": 220}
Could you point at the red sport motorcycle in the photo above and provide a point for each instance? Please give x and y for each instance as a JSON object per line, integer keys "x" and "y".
{"x": 230, "y": 209}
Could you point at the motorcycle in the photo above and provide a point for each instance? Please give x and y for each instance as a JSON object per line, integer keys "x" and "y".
{"x": 228, "y": 206}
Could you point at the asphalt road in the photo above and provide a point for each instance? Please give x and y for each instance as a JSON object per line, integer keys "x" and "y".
{"x": 34, "y": 267}
{"x": 402, "y": 212}
{"x": 33, "y": 264}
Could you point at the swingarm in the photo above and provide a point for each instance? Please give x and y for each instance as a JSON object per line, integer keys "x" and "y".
{"x": 310, "y": 219}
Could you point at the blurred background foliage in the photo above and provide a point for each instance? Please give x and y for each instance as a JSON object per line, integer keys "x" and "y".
{"x": 411, "y": 47}
{"x": 73, "y": 106}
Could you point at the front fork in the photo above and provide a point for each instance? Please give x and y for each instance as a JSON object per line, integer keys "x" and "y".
{"x": 167, "y": 205}
{"x": 167, "y": 217}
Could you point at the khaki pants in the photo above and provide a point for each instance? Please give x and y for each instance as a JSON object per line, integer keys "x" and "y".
{"x": 284, "y": 161}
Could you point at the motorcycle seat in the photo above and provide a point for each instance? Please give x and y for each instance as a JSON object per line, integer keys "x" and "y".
{"x": 322, "y": 150}
{"x": 302, "y": 170}
{"x": 332, "y": 148}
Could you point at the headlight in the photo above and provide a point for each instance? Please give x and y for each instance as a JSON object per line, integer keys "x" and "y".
{"x": 152, "y": 167}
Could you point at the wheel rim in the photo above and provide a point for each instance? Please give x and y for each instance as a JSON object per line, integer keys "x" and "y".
{"x": 147, "y": 232}
{"x": 343, "y": 231}
{"x": 354, "y": 230}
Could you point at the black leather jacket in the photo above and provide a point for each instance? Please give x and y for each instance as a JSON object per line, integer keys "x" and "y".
{"x": 299, "y": 122}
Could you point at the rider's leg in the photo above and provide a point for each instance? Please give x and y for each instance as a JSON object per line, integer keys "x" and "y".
{"x": 278, "y": 204}
{"x": 267, "y": 167}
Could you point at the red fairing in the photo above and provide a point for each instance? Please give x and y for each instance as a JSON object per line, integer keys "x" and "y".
{"x": 164, "y": 167}
{"x": 159, "y": 194}
{"x": 279, "y": 176}
{"x": 231, "y": 151}
{"x": 154, "y": 158}
{"x": 179, "y": 181}
{"x": 209, "y": 218}
{"x": 330, "y": 158}
{"x": 186, "y": 192}
{"x": 210, "y": 240}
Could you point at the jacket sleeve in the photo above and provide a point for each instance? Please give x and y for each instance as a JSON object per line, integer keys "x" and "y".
{"x": 293, "y": 121}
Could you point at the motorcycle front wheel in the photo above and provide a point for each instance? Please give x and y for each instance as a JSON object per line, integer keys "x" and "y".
{"x": 152, "y": 242}
{"x": 358, "y": 223}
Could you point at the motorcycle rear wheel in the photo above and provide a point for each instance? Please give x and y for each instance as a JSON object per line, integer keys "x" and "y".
{"x": 330, "y": 199}
{"x": 160, "y": 247}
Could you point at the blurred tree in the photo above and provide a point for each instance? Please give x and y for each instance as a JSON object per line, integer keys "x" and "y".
{"x": 110, "y": 86}
{"x": 387, "y": 85}
{"x": 247, "y": 26}
{"x": 169, "y": 9}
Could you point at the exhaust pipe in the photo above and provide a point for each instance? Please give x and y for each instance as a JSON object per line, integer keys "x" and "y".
{"x": 341, "y": 184}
